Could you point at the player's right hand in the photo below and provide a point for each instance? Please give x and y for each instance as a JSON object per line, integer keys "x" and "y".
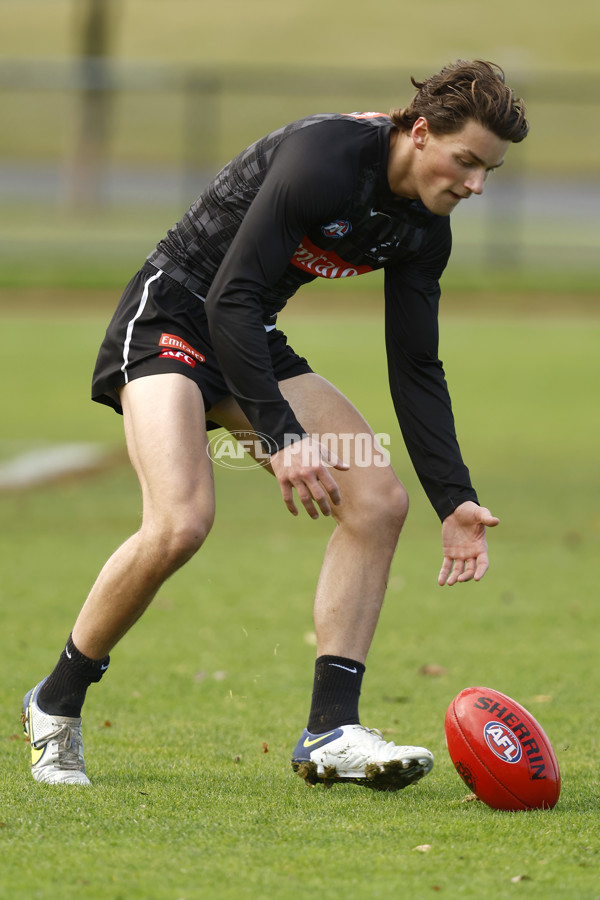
{"x": 305, "y": 466}
{"x": 464, "y": 543}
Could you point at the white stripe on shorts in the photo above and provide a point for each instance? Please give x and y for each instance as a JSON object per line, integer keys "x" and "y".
{"x": 130, "y": 324}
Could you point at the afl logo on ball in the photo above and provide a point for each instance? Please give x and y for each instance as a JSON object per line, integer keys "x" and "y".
{"x": 503, "y": 742}
{"x": 338, "y": 229}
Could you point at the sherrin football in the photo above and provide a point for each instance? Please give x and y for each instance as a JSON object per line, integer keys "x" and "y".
{"x": 500, "y": 751}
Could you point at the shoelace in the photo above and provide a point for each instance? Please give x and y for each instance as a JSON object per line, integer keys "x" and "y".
{"x": 67, "y": 745}
{"x": 377, "y": 733}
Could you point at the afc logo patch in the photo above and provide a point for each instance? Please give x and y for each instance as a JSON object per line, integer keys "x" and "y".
{"x": 179, "y": 349}
{"x": 180, "y": 355}
{"x": 338, "y": 229}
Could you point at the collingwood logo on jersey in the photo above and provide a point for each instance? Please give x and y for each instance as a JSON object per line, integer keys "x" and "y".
{"x": 338, "y": 229}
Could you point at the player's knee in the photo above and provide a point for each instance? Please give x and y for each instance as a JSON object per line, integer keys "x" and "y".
{"x": 186, "y": 540}
{"x": 178, "y": 538}
{"x": 390, "y": 507}
{"x": 380, "y": 510}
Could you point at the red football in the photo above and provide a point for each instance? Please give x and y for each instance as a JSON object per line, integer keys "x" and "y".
{"x": 500, "y": 751}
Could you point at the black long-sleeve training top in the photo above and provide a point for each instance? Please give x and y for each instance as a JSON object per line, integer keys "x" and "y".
{"x": 313, "y": 200}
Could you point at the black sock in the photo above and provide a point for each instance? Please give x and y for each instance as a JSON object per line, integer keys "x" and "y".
{"x": 335, "y": 693}
{"x": 63, "y": 692}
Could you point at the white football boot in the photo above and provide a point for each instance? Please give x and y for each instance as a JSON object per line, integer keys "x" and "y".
{"x": 359, "y": 755}
{"x": 56, "y": 744}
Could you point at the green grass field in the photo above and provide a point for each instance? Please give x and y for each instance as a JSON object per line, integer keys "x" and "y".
{"x": 188, "y": 738}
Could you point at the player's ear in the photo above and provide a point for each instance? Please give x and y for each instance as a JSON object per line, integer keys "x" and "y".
{"x": 420, "y": 132}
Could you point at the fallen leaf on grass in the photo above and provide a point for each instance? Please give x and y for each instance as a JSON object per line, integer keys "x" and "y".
{"x": 423, "y": 848}
{"x": 517, "y": 878}
{"x": 572, "y": 539}
{"x": 471, "y": 798}
{"x": 265, "y": 747}
{"x": 432, "y": 670}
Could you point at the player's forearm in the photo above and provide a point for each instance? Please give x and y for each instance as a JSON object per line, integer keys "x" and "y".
{"x": 424, "y": 412}
{"x": 241, "y": 345}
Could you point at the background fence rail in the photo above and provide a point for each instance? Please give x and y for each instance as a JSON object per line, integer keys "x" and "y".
{"x": 88, "y": 135}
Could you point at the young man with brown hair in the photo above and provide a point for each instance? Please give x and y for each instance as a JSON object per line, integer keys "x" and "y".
{"x": 194, "y": 343}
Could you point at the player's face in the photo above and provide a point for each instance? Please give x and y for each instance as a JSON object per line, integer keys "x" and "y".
{"x": 449, "y": 168}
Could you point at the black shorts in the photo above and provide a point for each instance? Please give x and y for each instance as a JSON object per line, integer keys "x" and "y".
{"x": 159, "y": 326}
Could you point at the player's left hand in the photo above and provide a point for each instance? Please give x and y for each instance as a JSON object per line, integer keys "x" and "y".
{"x": 304, "y": 466}
{"x": 464, "y": 544}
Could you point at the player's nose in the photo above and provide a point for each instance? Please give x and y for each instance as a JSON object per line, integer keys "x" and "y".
{"x": 475, "y": 181}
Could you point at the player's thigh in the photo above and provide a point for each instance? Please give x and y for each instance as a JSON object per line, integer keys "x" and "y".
{"x": 330, "y": 416}
{"x": 326, "y": 413}
{"x": 324, "y": 410}
{"x": 165, "y": 427}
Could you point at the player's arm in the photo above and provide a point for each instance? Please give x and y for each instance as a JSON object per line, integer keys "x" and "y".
{"x": 301, "y": 187}
{"x": 422, "y": 403}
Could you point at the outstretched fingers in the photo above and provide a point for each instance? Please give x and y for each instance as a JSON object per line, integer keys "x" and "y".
{"x": 455, "y": 571}
{"x": 303, "y": 467}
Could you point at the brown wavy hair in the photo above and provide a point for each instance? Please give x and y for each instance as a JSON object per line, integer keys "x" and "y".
{"x": 461, "y": 91}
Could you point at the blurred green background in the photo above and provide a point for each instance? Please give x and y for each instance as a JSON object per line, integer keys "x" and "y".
{"x": 116, "y": 112}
